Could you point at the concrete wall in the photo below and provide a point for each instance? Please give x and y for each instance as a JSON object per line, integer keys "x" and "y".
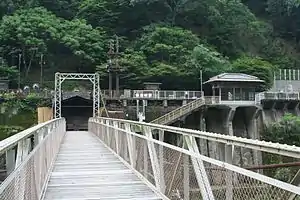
{"x": 273, "y": 111}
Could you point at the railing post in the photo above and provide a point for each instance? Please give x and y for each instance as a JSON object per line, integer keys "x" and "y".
{"x": 107, "y": 133}
{"x": 131, "y": 145}
{"x": 10, "y": 161}
{"x": 229, "y": 178}
{"x": 145, "y": 161}
{"x": 186, "y": 175}
{"x": 161, "y": 160}
{"x": 116, "y": 131}
{"x": 102, "y": 130}
{"x": 154, "y": 159}
{"x": 22, "y": 151}
{"x": 199, "y": 169}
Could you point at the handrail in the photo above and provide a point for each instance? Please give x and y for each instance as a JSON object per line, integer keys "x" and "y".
{"x": 277, "y": 95}
{"x": 13, "y": 140}
{"x": 282, "y": 149}
{"x": 178, "y": 112}
{"x": 183, "y": 169}
{"x": 28, "y": 175}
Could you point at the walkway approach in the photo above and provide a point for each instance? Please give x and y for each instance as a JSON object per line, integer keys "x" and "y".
{"x": 129, "y": 160}
{"x": 86, "y": 169}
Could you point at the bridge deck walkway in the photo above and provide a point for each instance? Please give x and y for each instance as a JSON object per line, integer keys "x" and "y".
{"x": 86, "y": 169}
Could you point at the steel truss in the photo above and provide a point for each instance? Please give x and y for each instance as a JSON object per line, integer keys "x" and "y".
{"x": 61, "y": 77}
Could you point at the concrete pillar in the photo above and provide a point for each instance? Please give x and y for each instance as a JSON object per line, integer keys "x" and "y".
{"x": 165, "y": 102}
{"x": 184, "y": 102}
{"x": 125, "y": 103}
{"x": 286, "y": 107}
{"x": 253, "y": 133}
{"x": 297, "y": 111}
{"x": 202, "y": 143}
{"x": 228, "y": 130}
{"x": 228, "y": 123}
{"x": 218, "y": 120}
{"x": 274, "y": 112}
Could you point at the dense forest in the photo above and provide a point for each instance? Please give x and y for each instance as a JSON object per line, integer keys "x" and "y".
{"x": 168, "y": 41}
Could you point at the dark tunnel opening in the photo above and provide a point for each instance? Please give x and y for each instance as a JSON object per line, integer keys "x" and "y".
{"x": 77, "y": 110}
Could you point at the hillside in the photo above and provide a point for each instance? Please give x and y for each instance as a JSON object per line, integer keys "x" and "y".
{"x": 168, "y": 41}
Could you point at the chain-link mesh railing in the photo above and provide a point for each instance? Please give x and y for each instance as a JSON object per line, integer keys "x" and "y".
{"x": 28, "y": 179}
{"x": 184, "y": 170}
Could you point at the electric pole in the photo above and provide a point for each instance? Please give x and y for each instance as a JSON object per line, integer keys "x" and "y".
{"x": 109, "y": 67}
{"x": 113, "y": 65}
{"x": 19, "y": 69}
{"x": 41, "y": 64}
{"x": 117, "y": 70}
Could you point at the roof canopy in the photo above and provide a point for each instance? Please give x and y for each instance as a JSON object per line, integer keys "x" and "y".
{"x": 234, "y": 77}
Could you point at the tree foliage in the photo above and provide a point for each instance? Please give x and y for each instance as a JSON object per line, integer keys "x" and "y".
{"x": 209, "y": 61}
{"x": 163, "y": 40}
{"x": 286, "y": 131}
{"x": 36, "y": 31}
{"x": 256, "y": 67}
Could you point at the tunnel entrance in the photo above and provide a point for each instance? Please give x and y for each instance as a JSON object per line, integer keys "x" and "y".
{"x": 77, "y": 110}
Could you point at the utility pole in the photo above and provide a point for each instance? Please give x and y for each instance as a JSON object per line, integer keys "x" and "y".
{"x": 201, "y": 89}
{"x": 19, "y": 69}
{"x": 117, "y": 70}
{"x": 113, "y": 65}
{"x": 41, "y": 64}
{"x": 109, "y": 67}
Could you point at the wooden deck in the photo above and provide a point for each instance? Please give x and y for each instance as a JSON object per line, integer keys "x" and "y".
{"x": 86, "y": 170}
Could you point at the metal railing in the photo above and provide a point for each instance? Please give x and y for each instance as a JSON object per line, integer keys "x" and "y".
{"x": 182, "y": 169}
{"x": 153, "y": 94}
{"x": 29, "y": 158}
{"x": 179, "y": 112}
{"x": 277, "y": 96}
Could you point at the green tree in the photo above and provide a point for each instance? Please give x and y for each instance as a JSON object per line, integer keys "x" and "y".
{"x": 209, "y": 61}
{"x": 286, "y": 131}
{"x": 35, "y": 31}
{"x": 255, "y": 67}
{"x": 6, "y": 71}
{"x": 168, "y": 52}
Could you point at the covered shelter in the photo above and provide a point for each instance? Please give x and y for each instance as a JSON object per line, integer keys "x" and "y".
{"x": 231, "y": 87}
{"x": 77, "y": 110}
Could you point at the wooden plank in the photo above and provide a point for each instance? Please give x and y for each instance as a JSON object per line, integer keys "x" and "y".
{"x": 85, "y": 169}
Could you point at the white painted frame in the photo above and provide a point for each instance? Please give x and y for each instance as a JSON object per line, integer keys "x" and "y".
{"x": 61, "y": 77}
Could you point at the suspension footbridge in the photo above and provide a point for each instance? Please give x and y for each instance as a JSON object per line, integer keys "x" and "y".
{"x": 123, "y": 159}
